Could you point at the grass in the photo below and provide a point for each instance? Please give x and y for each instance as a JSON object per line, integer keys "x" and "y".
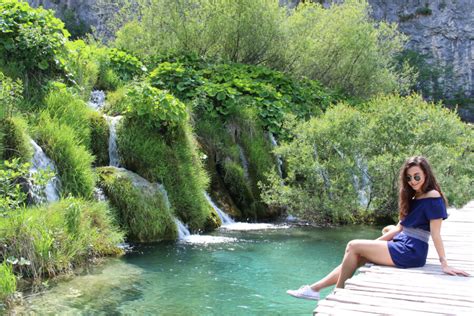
{"x": 7, "y": 281}
{"x": 72, "y": 159}
{"x": 56, "y": 237}
{"x": 16, "y": 141}
{"x": 100, "y": 135}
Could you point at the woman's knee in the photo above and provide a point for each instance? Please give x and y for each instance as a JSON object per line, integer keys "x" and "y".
{"x": 352, "y": 246}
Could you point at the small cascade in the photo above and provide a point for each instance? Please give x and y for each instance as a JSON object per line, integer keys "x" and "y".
{"x": 225, "y": 219}
{"x": 41, "y": 162}
{"x": 278, "y": 157}
{"x": 323, "y": 173}
{"x": 97, "y": 99}
{"x": 163, "y": 191}
{"x": 244, "y": 161}
{"x": 113, "y": 150}
{"x": 183, "y": 231}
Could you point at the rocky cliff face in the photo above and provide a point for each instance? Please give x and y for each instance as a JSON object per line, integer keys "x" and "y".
{"x": 441, "y": 30}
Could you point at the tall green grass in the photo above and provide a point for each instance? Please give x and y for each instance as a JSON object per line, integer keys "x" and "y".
{"x": 72, "y": 159}
{"x": 100, "y": 136}
{"x": 54, "y": 238}
{"x": 16, "y": 141}
{"x": 7, "y": 281}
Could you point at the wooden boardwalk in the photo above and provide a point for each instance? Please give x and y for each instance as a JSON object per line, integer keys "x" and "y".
{"x": 420, "y": 291}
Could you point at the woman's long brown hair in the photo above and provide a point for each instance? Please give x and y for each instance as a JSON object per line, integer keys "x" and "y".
{"x": 407, "y": 193}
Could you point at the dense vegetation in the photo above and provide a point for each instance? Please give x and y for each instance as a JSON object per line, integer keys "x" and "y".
{"x": 203, "y": 89}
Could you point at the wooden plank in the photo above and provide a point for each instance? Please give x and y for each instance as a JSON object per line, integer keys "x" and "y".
{"x": 418, "y": 291}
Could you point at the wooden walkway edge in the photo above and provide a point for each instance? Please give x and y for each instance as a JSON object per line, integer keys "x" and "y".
{"x": 384, "y": 290}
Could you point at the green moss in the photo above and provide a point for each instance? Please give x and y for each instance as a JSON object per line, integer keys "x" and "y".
{"x": 16, "y": 142}
{"x": 72, "y": 159}
{"x": 55, "y": 237}
{"x": 100, "y": 136}
{"x": 172, "y": 159}
{"x": 142, "y": 209}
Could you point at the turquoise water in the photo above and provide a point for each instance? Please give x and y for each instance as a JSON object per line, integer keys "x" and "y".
{"x": 247, "y": 276}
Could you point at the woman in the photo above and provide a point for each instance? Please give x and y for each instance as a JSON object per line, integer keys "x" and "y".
{"x": 422, "y": 210}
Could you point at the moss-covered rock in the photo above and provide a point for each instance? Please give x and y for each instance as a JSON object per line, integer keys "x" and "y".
{"x": 171, "y": 158}
{"x": 141, "y": 207}
{"x": 16, "y": 141}
{"x": 100, "y": 139}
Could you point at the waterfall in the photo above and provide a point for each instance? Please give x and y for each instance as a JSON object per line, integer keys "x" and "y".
{"x": 99, "y": 194}
{"x": 97, "y": 99}
{"x": 183, "y": 231}
{"x": 163, "y": 191}
{"x": 225, "y": 219}
{"x": 244, "y": 161}
{"x": 278, "y": 158}
{"x": 363, "y": 190}
{"x": 41, "y": 162}
{"x": 113, "y": 151}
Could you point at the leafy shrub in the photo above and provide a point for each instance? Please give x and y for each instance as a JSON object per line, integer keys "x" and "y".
{"x": 343, "y": 166}
{"x": 154, "y": 108}
{"x": 178, "y": 78}
{"x": 13, "y": 174}
{"x": 117, "y": 67}
{"x": 72, "y": 159}
{"x": 142, "y": 210}
{"x": 32, "y": 40}
{"x": 52, "y": 238}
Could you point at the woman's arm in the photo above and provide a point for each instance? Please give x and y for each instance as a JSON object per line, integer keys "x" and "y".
{"x": 391, "y": 233}
{"x": 435, "y": 228}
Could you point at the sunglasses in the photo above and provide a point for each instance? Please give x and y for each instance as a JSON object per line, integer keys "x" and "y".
{"x": 416, "y": 178}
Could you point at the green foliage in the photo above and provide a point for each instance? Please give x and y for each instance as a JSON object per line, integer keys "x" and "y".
{"x": 172, "y": 159}
{"x": 10, "y": 95}
{"x": 331, "y": 157}
{"x": 142, "y": 209}
{"x": 32, "y": 40}
{"x": 49, "y": 239}
{"x": 154, "y": 108}
{"x": 16, "y": 141}
{"x": 71, "y": 157}
{"x": 353, "y": 53}
{"x": 7, "y": 281}
{"x": 181, "y": 79}
{"x": 12, "y": 195}
{"x": 83, "y": 65}
{"x": 340, "y": 46}
{"x": 225, "y": 89}
{"x": 241, "y": 31}
{"x": 117, "y": 67}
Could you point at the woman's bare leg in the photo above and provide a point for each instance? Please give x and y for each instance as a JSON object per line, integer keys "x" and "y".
{"x": 333, "y": 276}
{"x": 375, "y": 251}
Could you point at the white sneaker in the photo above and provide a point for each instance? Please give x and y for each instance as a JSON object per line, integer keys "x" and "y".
{"x": 305, "y": 292}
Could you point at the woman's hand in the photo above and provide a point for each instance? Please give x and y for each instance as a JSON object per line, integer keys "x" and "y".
{"x": 453, "y": 271}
